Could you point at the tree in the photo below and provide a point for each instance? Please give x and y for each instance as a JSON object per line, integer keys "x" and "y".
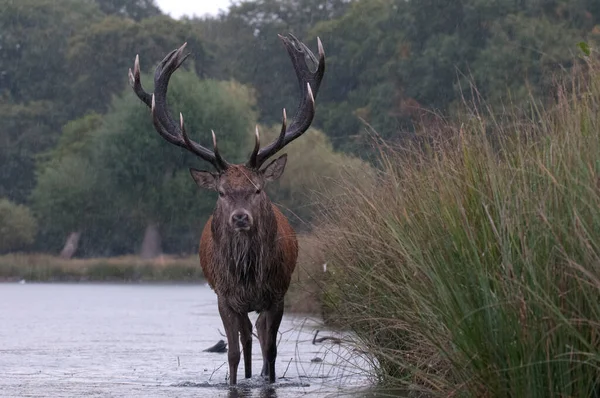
{"x": 69, "y": 195}
{"x": 364, "y": 50}
{"x": 100, "y": 55}
{"x": 151, "y": 175}
{"x": 17, "y": 226}
{"x": 248, "y": 49}
{"x": 134, "y": 9}
{"x": 34, "y": 83}
{"x": 25, "y": 130}
{"x": 125, "y": 181}
{"x": 522, "y": 57}
{"x": 33, "y": 45}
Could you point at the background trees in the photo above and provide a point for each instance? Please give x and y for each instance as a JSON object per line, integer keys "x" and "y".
{"x": 118, "y": 183}
{"x": 73, "y": 138}
{"x": 34, "y": 83}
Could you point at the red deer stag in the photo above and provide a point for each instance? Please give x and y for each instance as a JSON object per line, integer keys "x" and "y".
{"x": 248, "y": 249}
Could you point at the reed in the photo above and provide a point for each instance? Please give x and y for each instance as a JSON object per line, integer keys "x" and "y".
{"x": 471, "y": 265}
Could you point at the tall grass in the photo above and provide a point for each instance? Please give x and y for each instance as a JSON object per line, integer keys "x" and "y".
{"x": 471, "y": 265}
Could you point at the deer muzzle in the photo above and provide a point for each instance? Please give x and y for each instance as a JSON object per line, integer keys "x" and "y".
{"x": 241, "y": 220}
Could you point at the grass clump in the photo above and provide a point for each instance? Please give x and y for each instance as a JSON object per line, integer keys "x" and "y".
{"x": 305, "y": 293}
{"x": 471, "y": 265}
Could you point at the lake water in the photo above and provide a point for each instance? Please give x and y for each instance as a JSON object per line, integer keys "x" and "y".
{"x": 71, "y": 340}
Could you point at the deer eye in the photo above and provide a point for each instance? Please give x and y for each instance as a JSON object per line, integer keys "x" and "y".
{"x": 258, "y": 191}
{"x": 221, "y": 193}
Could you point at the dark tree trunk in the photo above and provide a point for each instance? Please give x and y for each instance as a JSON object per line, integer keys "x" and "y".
{"x": 151, "y": 246}
{"x": 71, "y": 245}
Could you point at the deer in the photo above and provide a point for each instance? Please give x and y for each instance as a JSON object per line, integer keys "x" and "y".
{"x": 248, "y": 249}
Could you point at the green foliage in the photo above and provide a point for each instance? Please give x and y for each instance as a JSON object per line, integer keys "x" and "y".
{"x": 365, "y": 68}
{"x": 68, "y": 197}
{"x": 17, "y": 226}
{"x": 312, "y": 165}
{"x": 69, "y": 193}
{"x": 74, "y": 140}
{"x": 110, "y": 179}
{"x": 146, "y": 170}
{"x": 100, "y": 55}
{"x": 61, "y": 59}
{"x": 33, "y": 44}
{"x": 471, "y": 267}
{"x": 24, "y": 132}
{"x": 585, "y": 48}
{"x": 248, "y": 49}
{"x": 34, "y": 83}
{"x": 535, "y": 48}
{"x": 134, "y": 9}
{"x": 390, "y": 63}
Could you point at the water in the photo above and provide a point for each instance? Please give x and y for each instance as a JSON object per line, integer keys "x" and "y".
{"x": 65, "y": 340}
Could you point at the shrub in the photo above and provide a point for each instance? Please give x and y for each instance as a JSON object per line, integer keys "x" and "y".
{"x": 312, "y": 165}
{"x": 18, "y": 227}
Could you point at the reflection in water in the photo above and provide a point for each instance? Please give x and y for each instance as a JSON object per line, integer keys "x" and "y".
{"x": 245, "y": 392}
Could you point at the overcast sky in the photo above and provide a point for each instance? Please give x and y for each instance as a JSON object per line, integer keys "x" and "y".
{"x": 178, "y": 8}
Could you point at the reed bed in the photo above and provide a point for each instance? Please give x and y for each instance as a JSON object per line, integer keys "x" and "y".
{"x": 470, "y": 266}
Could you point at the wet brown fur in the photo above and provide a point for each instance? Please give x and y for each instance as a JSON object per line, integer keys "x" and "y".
{"x": 286, "y": 242}
{"x": 258, "y": 282}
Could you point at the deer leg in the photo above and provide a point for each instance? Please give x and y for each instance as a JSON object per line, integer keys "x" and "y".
{"x": 232, "y": 330}
{"x": 246, "y": 337}
{"x": 274, "y": 315}
{"x": 261, "y": 329}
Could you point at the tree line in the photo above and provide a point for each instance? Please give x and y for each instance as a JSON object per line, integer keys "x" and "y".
{"x": 78, "y": 154}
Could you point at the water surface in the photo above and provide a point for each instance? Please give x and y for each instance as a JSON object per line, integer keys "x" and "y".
{"x": 65, "y": 340}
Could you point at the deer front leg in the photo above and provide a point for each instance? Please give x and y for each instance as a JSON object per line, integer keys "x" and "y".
{"x": 261, "y": 329}
{"x": 232, "y": 329}
{"x": 272, "y": 321}
{"x": 246, "y": 337}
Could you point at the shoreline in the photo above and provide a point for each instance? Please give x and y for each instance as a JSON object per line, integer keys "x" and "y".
{"x": 82, "y": 281}
{"x": 36, "y": 268}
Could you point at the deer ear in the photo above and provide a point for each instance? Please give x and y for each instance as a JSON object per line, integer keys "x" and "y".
{"x": 204, "y": 179}
{"x": 274, "y": 170}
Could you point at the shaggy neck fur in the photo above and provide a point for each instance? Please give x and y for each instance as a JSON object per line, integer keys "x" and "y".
{"x": 245, "y": 254}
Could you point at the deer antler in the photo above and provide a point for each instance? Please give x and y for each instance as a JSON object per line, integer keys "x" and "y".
{"x": 164, "y": 124}
{"x": 309, "y": 83}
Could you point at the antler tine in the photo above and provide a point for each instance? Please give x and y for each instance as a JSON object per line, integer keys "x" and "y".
{"x": 309, "y": 83}
{"x": 220, "y": 161}
{"x": 164, "y": 124}
{"x": 136, "y": 84}
{"x": 186, "y": 138}
{"x": 252, "y": 162}
{"x": 281, "y": 137}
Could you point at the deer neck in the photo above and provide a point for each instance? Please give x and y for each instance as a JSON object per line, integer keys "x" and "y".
{"x": 246, "y": 254}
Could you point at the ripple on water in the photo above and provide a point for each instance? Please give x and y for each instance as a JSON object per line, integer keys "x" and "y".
{"x": 65, "y": 340}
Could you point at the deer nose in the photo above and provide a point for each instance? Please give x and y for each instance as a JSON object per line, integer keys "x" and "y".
{"x": 240, "y": 220}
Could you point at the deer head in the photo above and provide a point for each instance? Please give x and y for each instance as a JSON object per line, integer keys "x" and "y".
{"x": 241, "y": 186}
